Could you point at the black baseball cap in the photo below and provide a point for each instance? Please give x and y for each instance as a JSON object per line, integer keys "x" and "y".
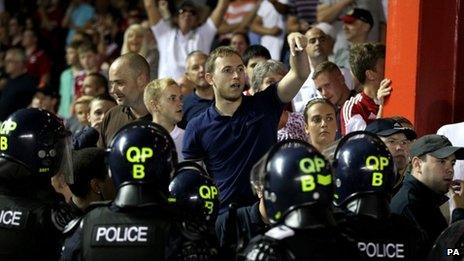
{"x": 388, "y": 127}
{"x": 358, "y": 13}
{"x": 187, "y": 4}
{"x": 436, "y": 145}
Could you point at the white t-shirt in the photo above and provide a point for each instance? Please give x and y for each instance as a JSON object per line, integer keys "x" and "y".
{"x": 308, "y": 90}
{"x": 177, "y": 134}
{"x": 306, "y": 93}
{"x": 272, "y": 18}
{"x": 174, "y": 47}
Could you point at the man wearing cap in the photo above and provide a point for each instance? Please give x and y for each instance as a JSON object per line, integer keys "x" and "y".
{"x": 177, "y": 40}
{"x": 398, "y": 139}
{"x": 423, "y": 192}
{"x": 321, "y": 39}
{"x": 357, "y": 24}
{"x": 329, "y": 11}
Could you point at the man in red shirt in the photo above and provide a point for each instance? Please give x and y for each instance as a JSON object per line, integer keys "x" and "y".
{"x": 367, "y": 63}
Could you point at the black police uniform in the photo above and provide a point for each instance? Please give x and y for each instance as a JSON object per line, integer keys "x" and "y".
{"x": 248, "y": 222}
{"x": 196, "y": 197}
{"x": 26, "y": 227}
{"x": 364, "y": 178}
{"x": 138, "y": 224}
{"x": 197, "y": 242}
{"x": 298, "y": 192}
{"x": 31, "y": 214}
{"x": 123, "y": 233}
{"x": 285, "y": 243}
{"x": 384, "y": 237}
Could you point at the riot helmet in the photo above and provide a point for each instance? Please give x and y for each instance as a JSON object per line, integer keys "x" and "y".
{"x": 194, "y": 192}
{"x": 362, "y": 165}
{"x": 142, "y": 152}
{"x": 37, "y": 140}
{"x": 293, "y": 174}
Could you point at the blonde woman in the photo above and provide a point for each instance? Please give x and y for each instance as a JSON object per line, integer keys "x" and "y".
{"x": 136, "y": 40}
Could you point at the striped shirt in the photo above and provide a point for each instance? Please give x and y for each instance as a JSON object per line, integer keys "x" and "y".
{"x": 304, "y": 10}
{"x": 357, "y": 112}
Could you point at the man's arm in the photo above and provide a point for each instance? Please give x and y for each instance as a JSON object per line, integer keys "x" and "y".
{"x": 153, "y": 12}
{"x": 328, "y": 13}
{"x": 299, "y": 68}
{"x": 218, "y": 12}
{"x": 257, "y": 27}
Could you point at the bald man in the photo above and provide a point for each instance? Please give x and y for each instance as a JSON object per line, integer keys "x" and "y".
{"x": 128, "y": 76}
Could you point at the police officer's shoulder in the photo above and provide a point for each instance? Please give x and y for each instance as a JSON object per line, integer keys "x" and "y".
{"x": 264, "y": 248}
{"x": 98, "y": 204}
{"x": 280, "y": 232}
{"x": 72, "y": 226}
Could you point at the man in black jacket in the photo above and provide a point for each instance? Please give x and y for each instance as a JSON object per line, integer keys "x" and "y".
{"x": 423, "y": 192}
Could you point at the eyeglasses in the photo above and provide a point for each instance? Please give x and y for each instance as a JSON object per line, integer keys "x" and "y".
{"x": 188, "y": 10}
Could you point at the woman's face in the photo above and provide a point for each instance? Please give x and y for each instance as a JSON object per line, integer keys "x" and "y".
{"x": 134, "y": 41}
{"x": 321, "y": 125}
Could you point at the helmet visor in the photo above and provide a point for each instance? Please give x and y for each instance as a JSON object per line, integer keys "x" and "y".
{"x": 257, "y": 175}
{"x": 66, "y": 166}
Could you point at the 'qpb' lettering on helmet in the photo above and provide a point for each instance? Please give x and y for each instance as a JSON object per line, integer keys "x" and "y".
{"x": 313, "y": 165}
{"x": 138, "y": 155}
{"x": 6, "y": 127}
{"x": 377, "y": 164}
{"x": 208, "y": 193}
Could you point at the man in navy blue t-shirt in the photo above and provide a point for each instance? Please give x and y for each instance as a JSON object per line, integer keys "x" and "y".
{"x": 232, "y": 134}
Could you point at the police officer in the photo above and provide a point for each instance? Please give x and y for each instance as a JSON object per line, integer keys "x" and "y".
{"x": 91, "y": 184}
{"x": 364, "y": 179}
{"x": 196, "y": 196}
{"x": 298, "y": 193}
{"x": 138, "y": 224}
{"x": 34, "y": 146}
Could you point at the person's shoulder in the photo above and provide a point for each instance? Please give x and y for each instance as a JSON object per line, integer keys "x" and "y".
{"x": 263, "y": 247}
{"x": 270, "y": 91}
{"x": 190, "y": 98}
{"x": 280, "y": 232}
{"x": 351, "y": 104}
{"x": 162, "y": 28}
{"x": 118, "y": 109}
{"x": 201, "y": 120}
{"x": 66, "y": 73}
{"x": 401, "y": 200}
{"x": 450, "y": 128}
